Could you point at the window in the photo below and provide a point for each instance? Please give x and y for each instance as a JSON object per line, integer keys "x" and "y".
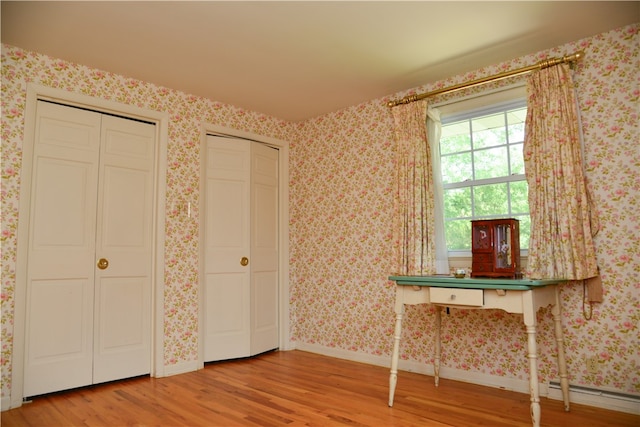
{"x": 482, "y": 169}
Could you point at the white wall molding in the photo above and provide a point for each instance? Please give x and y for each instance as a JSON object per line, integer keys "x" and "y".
{"x": 583, "y": 396}
{"x": 182, "y": 368}
{"x": 5, "y": 403}
{"x": 505, "y": 383}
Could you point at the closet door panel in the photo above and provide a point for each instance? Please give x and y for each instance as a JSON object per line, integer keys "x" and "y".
{"x": 60, "y": 275}
{"x": 227, "y": 232}
{"x": 227, "y": 320}
{"x": 122, "y": 346}
{"x": 264, "y": 248}
{"x": 91, "y": 198}
{"x": 241, "y": 211}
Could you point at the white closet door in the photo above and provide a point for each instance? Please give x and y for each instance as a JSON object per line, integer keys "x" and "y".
{"x": 227, "y": 242}
{"x": 241, "y": 300}
{"x": 61, "y": 265}
{"x": 91, "y": 198}
{"x": 264, "y": 248}
{"x": 122, "y": 343}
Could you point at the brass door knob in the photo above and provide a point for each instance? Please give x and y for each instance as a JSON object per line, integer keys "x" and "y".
{"x": 244, "y": 261}
{"x": 103, "y": 263}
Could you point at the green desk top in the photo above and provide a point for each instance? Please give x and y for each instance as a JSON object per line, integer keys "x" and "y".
{"x": 445, "y": 281}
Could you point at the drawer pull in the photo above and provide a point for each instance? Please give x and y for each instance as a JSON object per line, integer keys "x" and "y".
{"x": 453, "y": 297}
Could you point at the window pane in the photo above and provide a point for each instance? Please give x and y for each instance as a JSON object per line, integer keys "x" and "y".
{"x": 525, "y": 230}
{"x": 517, "y": 159}
{"x": 516, "y": 133}
{"x": 515, "y": 120}
{"x": 456, "y": 168}
{"x": 491, "y": 163}
{"x": 519, "y": 197}
{"x": 483, "y": 171}
{"x": 489, "y": 131}
{"x": 457, "y": 203}
{"x": 490, "y": 200}
{"x": 455, "y": 137}
{"x": 458, "y": 234}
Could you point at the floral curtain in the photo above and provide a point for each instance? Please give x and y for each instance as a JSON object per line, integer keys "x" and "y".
{"x": 561, "y": 242}
{"x": 415, "y": 248}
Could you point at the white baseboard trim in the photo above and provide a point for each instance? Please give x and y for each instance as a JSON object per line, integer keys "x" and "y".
{"x": 504, "y": 383}
{"x": 343, "y": 354}
{"x": 579, "y": 395}
{"x": 181, "y": 368}
{"x": 5, "y": 403}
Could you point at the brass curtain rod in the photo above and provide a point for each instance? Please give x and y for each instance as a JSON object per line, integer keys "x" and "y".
{"x": 539, "y": 66}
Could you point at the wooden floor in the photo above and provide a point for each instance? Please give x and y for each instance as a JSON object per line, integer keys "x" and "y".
{"x": 296, "y": 388}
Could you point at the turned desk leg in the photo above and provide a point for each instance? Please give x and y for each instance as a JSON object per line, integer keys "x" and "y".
{"x": 533, "y": 372}
{"x": 436, "y": 359}
{"x": 556, "y": 310}
{"x": 393, "y": 377}
{"x": 532, "y": 354}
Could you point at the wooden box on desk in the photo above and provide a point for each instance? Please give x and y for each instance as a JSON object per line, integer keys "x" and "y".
{"x": 495, "y": 248}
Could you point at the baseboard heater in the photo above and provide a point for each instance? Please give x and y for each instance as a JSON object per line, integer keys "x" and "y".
{"x": 597, "y": 392}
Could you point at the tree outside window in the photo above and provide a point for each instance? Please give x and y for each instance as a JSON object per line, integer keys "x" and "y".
{"x": 483, "y": 171}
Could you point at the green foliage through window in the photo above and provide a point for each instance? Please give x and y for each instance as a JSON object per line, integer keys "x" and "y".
{"x": 483, "y": 172}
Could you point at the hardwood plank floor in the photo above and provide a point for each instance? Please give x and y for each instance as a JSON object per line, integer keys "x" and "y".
{"x": 296, "y": 388}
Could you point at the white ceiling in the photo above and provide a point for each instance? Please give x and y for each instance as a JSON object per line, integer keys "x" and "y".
{"x": 297, "y": 60}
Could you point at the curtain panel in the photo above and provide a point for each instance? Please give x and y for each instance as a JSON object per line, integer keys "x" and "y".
{"x": 414, "y": 225}
{"x": 561, "y": 242}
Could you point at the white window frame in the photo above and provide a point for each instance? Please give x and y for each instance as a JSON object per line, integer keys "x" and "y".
{"x": 475, "y": 106}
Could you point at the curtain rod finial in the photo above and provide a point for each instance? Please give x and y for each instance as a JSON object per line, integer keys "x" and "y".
{"x": 577, "y": 56}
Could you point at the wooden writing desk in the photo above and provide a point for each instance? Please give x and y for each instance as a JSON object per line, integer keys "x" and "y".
{"x": 523, "y": 296}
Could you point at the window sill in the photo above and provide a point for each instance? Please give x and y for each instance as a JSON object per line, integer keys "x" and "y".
{"x": 453, "y": 255}
{"x": 463, "y": 260}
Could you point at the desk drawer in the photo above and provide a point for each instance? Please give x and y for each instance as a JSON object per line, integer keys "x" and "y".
{"x": 456, "y": 296}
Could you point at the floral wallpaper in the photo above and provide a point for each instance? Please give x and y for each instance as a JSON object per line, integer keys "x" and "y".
{"x": 341, "y": 219}
{"x": 341, "y": 169}
{"x": 186, "y": 115}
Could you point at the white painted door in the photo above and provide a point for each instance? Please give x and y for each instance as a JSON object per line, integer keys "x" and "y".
{"x": 61, "y": 264}
{"x": 241, "y": 248}
{"x": 264, "y": 248}
{"x": 68, "y": 303}
{"x": 227, "y": 281}
{"x": 122, "y": 325}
